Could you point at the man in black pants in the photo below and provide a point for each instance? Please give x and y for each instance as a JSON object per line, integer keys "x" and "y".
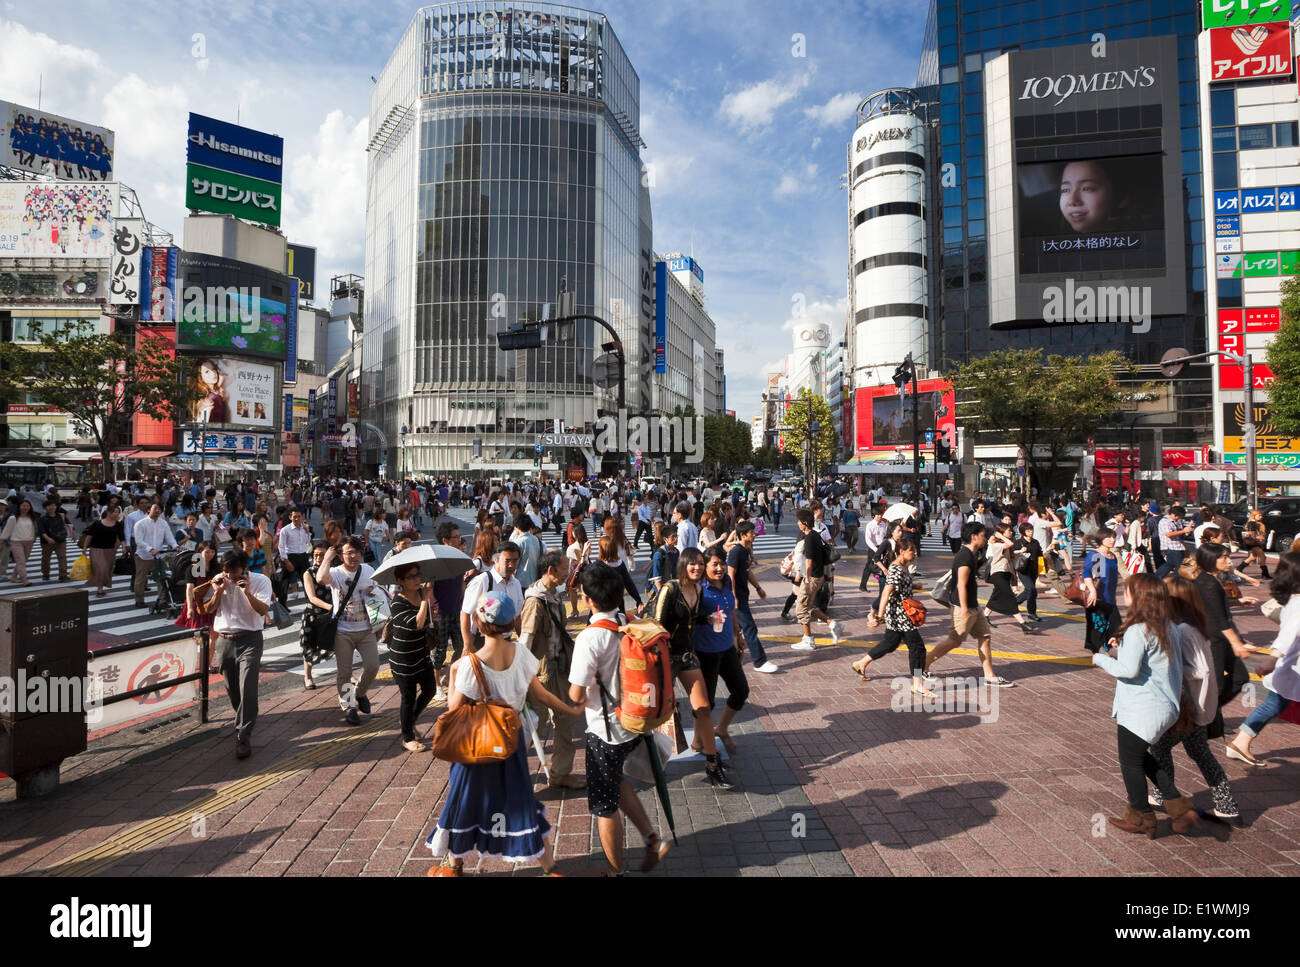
{"x": 294, "y": 545}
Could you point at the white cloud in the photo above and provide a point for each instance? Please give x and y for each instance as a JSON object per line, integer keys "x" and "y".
{"x": 325, "y": 201}
{"x": 35, "y": 64}
{"x": 827, "y": 311}
{"x": 755, "y": 106}
{"x": 797, "y": 184}
{"x": 838, "y": 110}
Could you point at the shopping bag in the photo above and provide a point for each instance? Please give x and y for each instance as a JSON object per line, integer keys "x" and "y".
{"x": 80, "y": 569}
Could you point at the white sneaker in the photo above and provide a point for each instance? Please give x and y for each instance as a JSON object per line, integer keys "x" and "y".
{"x": 836, "y": 628}
{"x": 766, "y": 668}
{"x": 440, "y": 695}
{"x": 806, "y": 644}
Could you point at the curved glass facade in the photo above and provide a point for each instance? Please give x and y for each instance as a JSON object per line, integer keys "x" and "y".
{"x": 504, "y": 167}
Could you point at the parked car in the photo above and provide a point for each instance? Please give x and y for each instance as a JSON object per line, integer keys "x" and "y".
{"x": 1281, "y": 520}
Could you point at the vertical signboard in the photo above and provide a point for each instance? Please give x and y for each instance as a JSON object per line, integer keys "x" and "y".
{"x": 661, "y": 317}
{"x": 300, "y": 262}
{"x": 124, "y": 284}
{"x": 291, "y": 333}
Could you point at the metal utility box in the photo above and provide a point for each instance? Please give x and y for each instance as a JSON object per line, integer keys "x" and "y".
{"x": 43, "y": 662}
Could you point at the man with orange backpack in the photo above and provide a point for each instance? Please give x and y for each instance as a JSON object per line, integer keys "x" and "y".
{"x": 595, "y": 678}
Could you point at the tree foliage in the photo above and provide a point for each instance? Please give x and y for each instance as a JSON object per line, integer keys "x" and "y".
{"x": 1043, "y": 406}
{"x": 727, "y": 442}
{"x": 101, "y": 381}
{"x": 799, "y": 415}
{"x": 1284, "y": 361}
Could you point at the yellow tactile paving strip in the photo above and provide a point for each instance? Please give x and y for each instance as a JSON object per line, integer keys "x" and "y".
{"x": 103, "y": 855}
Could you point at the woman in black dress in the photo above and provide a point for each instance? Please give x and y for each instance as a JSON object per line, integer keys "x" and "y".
{"x": 101, "y": 541}
{"x": 1226, "y": 645}
{"x": 1003, "y": 599}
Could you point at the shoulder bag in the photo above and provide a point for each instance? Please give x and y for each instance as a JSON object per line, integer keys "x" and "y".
{"x": 324, "y": 627}
{"x": 477, "y": 732}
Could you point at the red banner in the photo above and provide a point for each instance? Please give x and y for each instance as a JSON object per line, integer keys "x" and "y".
{"x": 1234, "y": 377}
{"x": 1250, "y": 51}
{"x": 148, "y": 432}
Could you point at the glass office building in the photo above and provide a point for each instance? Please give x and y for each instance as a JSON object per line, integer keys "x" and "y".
{"x": 961, "y": 36}
{"x": 504, "y": 169}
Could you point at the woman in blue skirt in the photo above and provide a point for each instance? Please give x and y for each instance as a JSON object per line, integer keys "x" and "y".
{"x": 490, "y": 807}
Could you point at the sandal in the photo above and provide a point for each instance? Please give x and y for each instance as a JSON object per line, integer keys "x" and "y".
{"x": 656, "y": 849}
{"x": 726, "y": 741}
{"x": 858, "y": 669}
{"x": 414, "y": 745}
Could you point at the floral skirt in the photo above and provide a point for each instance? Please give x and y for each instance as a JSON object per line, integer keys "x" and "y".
{"x": 491, "y": 810}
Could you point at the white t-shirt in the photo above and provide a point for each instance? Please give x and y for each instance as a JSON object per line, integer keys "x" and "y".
{"x": 509, "y": 686}
{"x": 596, "y": 652}
{"x": 354, "y": 617}
{"x": 479, "y": 586}
{"x": 377, "y": 531}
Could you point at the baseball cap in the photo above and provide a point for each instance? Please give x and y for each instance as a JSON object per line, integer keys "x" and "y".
{"x": 495, "y": 609}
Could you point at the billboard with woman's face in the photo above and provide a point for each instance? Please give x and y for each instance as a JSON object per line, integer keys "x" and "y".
{"x": 233, "y": 392}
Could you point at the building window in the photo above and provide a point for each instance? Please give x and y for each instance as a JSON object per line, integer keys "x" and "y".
{"x": 1223, "y": 139}
{"x": 1223, "y": 110}
{"x": 1255, "y": 136}
{"x": 1286, "y": 134}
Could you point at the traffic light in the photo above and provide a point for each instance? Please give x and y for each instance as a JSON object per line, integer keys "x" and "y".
{"x": 520, "y": 338}
{"x": 922, "y": 463}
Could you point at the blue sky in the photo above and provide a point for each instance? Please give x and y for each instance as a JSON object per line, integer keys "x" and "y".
{"x": 746, "y": 140}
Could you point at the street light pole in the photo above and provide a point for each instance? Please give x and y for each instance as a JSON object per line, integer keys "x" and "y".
{"x": 1173, "y": 362}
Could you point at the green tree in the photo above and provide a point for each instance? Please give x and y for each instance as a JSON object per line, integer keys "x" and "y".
{"x": 101, "y": 381}
{"x": 1042, "y": 406}
{"x": 726, "y": 442}
{"x": 799, "y": 415}
{"x": 1284, "y": 360}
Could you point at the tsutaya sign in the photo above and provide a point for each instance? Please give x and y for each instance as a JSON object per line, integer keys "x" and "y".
{"x": 566, "y": 440}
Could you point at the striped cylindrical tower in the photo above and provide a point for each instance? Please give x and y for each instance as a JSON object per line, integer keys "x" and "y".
{"x": 889, "y": 303}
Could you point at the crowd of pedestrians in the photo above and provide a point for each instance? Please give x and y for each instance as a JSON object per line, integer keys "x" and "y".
{"x": 1157, "y": 615}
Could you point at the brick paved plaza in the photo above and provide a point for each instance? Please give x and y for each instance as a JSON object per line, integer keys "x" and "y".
{"x": 831, "y": 781}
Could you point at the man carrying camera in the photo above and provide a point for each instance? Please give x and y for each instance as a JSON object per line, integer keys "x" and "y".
{"x": 240, "y": 600}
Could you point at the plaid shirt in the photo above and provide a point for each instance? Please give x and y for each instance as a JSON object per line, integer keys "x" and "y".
{"x": 1168, "y": 543}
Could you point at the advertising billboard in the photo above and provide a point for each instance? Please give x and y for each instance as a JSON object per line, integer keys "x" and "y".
{"x": 1093, "y": 181}
{"x": 48, "y": 144}
{"x": 59, "y": 220}
{"x": 235, "y": 392}
{"x": 233, "y": 170}
{"x": 1235, "y": 13}
{"x": 1250, "y": 53}
{"x": 158, "y": 297}
{"x": 1267, "y": 437}
{"x": 232, "y": 307}
{"x": 146, "y": 431}
{"x": 884, "y": 422}
{"x": 300, "y": 263}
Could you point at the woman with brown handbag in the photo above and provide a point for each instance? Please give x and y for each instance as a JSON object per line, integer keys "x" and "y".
{"x": 900, "y": 628}
{"x": 490, "y": 807}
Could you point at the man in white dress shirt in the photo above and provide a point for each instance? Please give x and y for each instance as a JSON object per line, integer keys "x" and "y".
{"x": 153, "y": 537}
{"x": 240, "y": 600}
{"x": 294, "y": 547}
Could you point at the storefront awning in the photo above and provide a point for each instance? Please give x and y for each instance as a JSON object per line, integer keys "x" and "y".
{"x": 154, "y": 454}
{"x": 119, "y": 454}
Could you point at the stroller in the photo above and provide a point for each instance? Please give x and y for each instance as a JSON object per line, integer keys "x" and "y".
{"x": 172, "y": 574}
